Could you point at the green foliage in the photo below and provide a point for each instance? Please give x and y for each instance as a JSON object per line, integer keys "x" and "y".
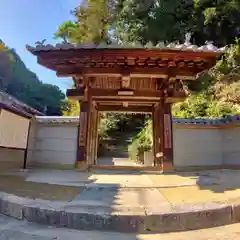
{"x": 72, "y": 108}
{"x": 170, "y": 20}
{"x": 6, "y": 61}
{"x": 108, "y": 123}
{"x": 215, "y": 93}
{"x": 142, "y": 142}
{"x": 204, "y": 106}
{"x": 93, "y": 22}
{"x": 25, "y": 85}
{"x": 67, "y": 31}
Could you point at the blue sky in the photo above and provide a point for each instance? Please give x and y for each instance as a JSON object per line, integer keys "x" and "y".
{"x": 27, "y": 21}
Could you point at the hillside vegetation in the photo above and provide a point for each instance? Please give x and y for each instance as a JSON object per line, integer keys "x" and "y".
{"x": 23, "y": 84}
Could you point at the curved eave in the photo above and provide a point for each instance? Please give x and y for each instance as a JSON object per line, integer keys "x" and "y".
{"x": 201, "y": 51}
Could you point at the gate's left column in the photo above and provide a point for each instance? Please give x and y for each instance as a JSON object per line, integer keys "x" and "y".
{"x": 83, "y": 135}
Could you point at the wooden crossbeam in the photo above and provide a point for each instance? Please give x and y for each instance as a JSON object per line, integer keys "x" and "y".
{"x": 119, "y": 108}
{"x": 113, "y": 93}
{"x": 158, "y": 72}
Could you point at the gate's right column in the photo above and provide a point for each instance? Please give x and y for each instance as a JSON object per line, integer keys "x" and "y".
{"x": 163, "y": 136}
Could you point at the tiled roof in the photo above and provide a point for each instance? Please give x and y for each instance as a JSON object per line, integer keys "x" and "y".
{"x": 200, "y": 121}
{"x": 57, "y": 119}
{"x": 14, "y": 104}
{"x": 203, "y": 121}
{"x": 187, "y": 46}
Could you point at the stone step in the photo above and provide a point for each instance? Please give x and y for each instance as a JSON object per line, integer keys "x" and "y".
{"x": 157, "y": 218}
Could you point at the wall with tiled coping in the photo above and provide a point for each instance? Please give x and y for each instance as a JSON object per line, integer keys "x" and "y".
{"x": 197, "y": 142}
{"x": 52, "y": 145}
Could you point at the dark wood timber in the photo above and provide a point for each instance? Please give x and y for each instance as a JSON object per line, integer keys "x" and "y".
{"x": 95, "y": 93}
{"x": 83, "y": 131}
{"x": 12, "y": 148}
{"x": 154, "y": 135}
{"x": 26, "y": 149}
{"x": 158, "y": 126}
{"x": 118, "y": 108}
{"x": 158, "y": 72}
{"x": 166, "y": 136}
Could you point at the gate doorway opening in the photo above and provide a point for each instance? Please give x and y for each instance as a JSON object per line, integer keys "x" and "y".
{"x": 123, "y": 141}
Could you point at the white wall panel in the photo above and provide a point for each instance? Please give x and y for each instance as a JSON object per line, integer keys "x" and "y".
{"x": 13, "y": 130}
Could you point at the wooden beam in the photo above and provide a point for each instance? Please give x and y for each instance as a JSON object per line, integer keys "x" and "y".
{"x": 114, "y": 93}
{"x": 156, "y": 72}
{"x": 119, "y": 108}
{"x": 111, "y": 96}
{"x": 109, "y": 101}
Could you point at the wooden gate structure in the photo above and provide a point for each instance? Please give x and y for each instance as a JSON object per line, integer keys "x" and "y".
{"x": 128, "y": 79}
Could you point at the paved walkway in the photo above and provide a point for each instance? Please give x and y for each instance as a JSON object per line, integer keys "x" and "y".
{"x": 11, "y": 229}
{"x": 181, "y": 188}
{"x": 113, "y": 198}
{"x": 141, "y": 191}
{"x": 112, "y": 161}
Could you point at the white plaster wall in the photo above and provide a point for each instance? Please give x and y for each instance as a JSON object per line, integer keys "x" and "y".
{"x": 11, "y": 158}
{"x": 57, "y": 144}
{"x": 231, "y": 146}
{"x": 53, "y": 144}
{"x": 13, "y": 130}
{"x": 197, "y": 147}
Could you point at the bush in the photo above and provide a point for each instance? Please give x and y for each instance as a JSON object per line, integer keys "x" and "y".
{"x": 141, "y": 143}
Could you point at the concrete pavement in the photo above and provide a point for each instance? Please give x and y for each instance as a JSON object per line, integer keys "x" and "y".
{"x": 178, "y": 188}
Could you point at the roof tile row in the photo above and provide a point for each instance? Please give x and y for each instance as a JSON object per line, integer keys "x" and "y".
{"x": 201, "y": 121}
{"x": 208, "y": 47}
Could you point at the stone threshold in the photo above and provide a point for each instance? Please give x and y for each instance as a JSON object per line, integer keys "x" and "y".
{"x": 131, "y": 219}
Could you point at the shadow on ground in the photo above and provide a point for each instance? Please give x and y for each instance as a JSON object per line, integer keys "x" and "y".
{"x": 217, "y": 181}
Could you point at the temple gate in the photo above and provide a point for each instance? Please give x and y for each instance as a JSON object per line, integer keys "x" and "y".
{"x": 127, "y": 79}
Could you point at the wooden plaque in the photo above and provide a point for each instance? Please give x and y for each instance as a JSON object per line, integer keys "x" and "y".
{"x": 82, "y": 128}
{"x": 167, "y": 131}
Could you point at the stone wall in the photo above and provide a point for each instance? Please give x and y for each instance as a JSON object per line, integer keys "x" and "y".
{"x": 197, "y": 146}
{"x": 201, "y": 142}
{"x": 52, "y": 145}
{"x": 231, "y": 146}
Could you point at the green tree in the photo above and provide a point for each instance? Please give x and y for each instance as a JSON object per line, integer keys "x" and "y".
{"x": 23, "y": 84}
{"x": 93, "y": 22}
{"x": 72, "y": 108}
{"x": 67, "y": 31}
{"x": 6, "y": 62}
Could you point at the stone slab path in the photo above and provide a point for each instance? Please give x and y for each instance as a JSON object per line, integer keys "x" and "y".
{"x": 131, "y": 200}
{"x": 11, "y": 229}
{"x": 116, "y": 162}
{"x": 180, "y": 188}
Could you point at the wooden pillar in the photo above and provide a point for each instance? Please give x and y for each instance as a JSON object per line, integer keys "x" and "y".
{"x": 89, "y": 140}
{"x": 97, "y": 136}
{"x": 155, "y": 136}
{"x": 83, "y": 135}
{"x": 166, "y": 136}
{"x": 96, "y": 123}
{"x": 94, "y": 136}
{"x": 163, "y": 140}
